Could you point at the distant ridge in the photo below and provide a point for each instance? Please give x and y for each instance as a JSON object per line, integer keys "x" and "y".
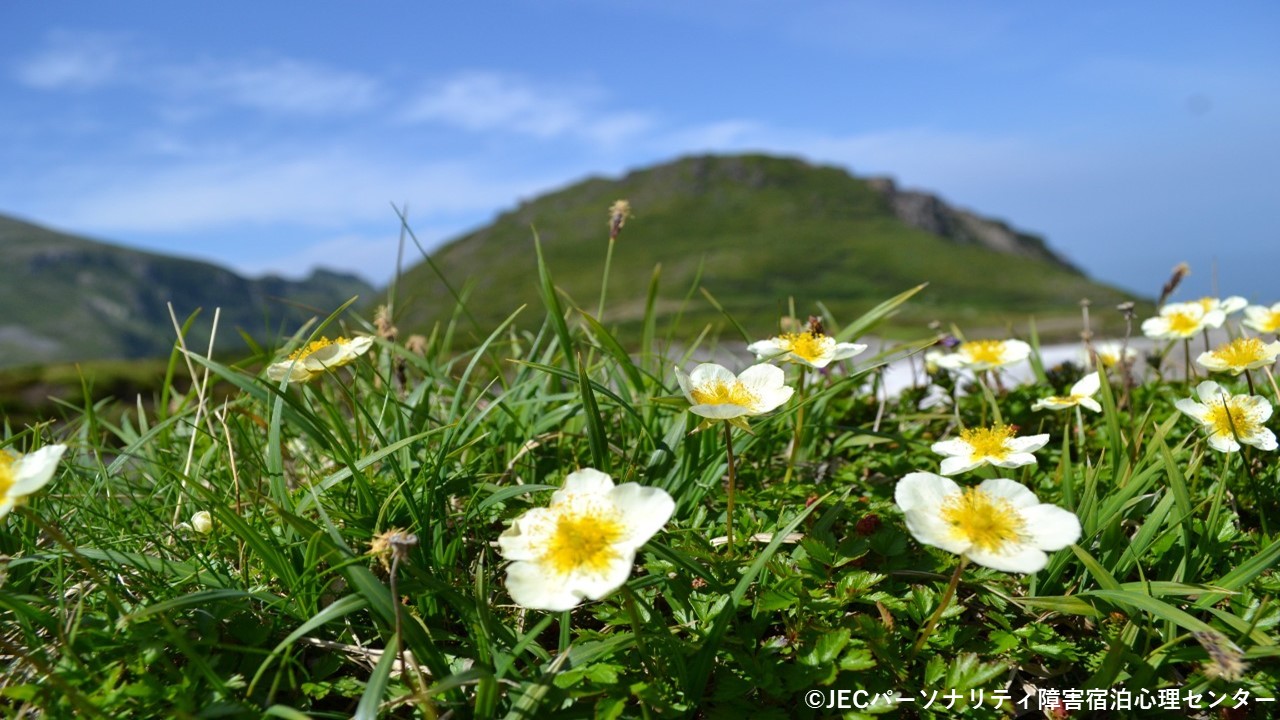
{"x": 761, "y": 230}
{"x": 68, "y": 298}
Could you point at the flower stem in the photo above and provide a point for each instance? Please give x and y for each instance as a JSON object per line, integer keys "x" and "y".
{"x": 728, "y": 448}
{"x": 1248, "y": 376}
{"x": 947, "y": 594}
{"x": 1186, "y": 358}
{"x": 795, "y": 441}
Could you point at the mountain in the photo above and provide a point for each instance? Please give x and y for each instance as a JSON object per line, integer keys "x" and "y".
{"x": 68, "y": 298}
{"x": 755, "y": 231}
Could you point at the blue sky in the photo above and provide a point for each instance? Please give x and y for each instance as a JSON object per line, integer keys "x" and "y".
{"x": 275, "y": 136}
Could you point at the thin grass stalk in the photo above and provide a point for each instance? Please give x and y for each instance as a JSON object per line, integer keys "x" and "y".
{"x": 604, "y": 280}
{"x": 947, "y": 594}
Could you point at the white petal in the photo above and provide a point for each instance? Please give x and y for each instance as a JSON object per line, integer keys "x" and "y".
{"x": 1029, "y": 443}
{"x": 597, "y": 585}
{"x": 1091, "y": 404}
{"x": 528, "y": 535}
{"x": 1258, "y": 407}
{"x": 645, "y": 510}
{"x": 723, "y": 411}
{"x": 585, "y": 480}
{"x": 1156, "y": 327}
{"x": 1233, "y": 304}
{"x": 1264, "y": 439}
{"x": 359, "y": 346}
{"x": 923, "y": 491}
{"x": 1193, "y": 408}
{"x": 762, "y": 377}
{"x": 1015, "y": 350}
{"x": 1013, "y": 460}
{"x": 31, "y": 472}
{"x": 532, "y": 587}
{"x": 1011, "y": 491}
{"x": 1223, "y": 443}
{"x": 1210, "y": 392}
{"x": 1087, "y": 385}
{"x": 955, "y": 447}
{"x": 844, "y": 351}
{"x": 772, "y": 399}
{"x": 929, "y": 528}
{"x": 1014, "y": 558}
{"x": 706, "y": 373}
{"x": 685, "y": 385}
{"x": 1053, "y": 403}
{"x": 767, "y": 349}
{"x": 958, "y": 464}
{"x": 1213, "y": 363}
{"x": 1050, "y": 527}
{"x": 951, "y": 361}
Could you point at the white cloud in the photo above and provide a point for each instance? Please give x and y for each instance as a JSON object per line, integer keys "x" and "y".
{"x": 72, "y": 60}
{"x": 284, "y": 86}
{"x": 277, "y": 85}
{"x": 486, "y": 101}
{"x": 331, "y": 189}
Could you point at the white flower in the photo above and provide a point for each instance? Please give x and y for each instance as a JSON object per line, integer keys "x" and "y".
{"x": 931, "y": 358}
{"x": 1177, "y": 321}
{"x": 999, "y": 524}
{"x": 583, "y": 544}
{"x": 978, "y": 355}
{"x": 1262, "y": 318}
{"x": 202, "y": 522}
{"x": 21, "y": 475}
{"x": 995, "y": 445}
{"x": 809, "y": 348}
{"x": 317, "y": 357}
{"x": 715, "y": 392}
{"x": 1111, "y": 354}
{"x": 1230, "y": 419}
{"x": 1229, "y": 305}
{"x": 1081, "y": 394}
{"x": 1239, "y": 355}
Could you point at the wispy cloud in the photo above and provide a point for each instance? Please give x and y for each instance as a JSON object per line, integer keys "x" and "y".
{"x": 79, "y": 61}
{"x": 487, "y": 101}
{"x": 73, "y": 60}
{"x": 277, "y": 85}
{"x": 334, "y": 189}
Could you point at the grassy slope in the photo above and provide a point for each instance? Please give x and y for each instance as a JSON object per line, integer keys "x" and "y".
{"x": 764, "y": 229}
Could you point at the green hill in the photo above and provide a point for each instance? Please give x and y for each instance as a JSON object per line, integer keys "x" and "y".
{"x": 67, "y": 298}
{"x": 760, "y": 230}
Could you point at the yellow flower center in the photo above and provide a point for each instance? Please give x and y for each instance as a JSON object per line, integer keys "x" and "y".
{"x": 6, "y": 473}
{"x": 985, "y": 351}
{"x": 986, "y": 522}
{"x": 313, "y": 346}
{"x": 806, "y": 345}
{"x": 721, "y": 392}
{"x": 583, "y": 543}
{"x": 1227, "y": 418}
{"x": 989, "y": 442}
{"x": 1270, "y": 323}
{"x": 1208, "y": 303}
{"x": 1239, "y": 353}
{"x": 1182, "y": 323}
